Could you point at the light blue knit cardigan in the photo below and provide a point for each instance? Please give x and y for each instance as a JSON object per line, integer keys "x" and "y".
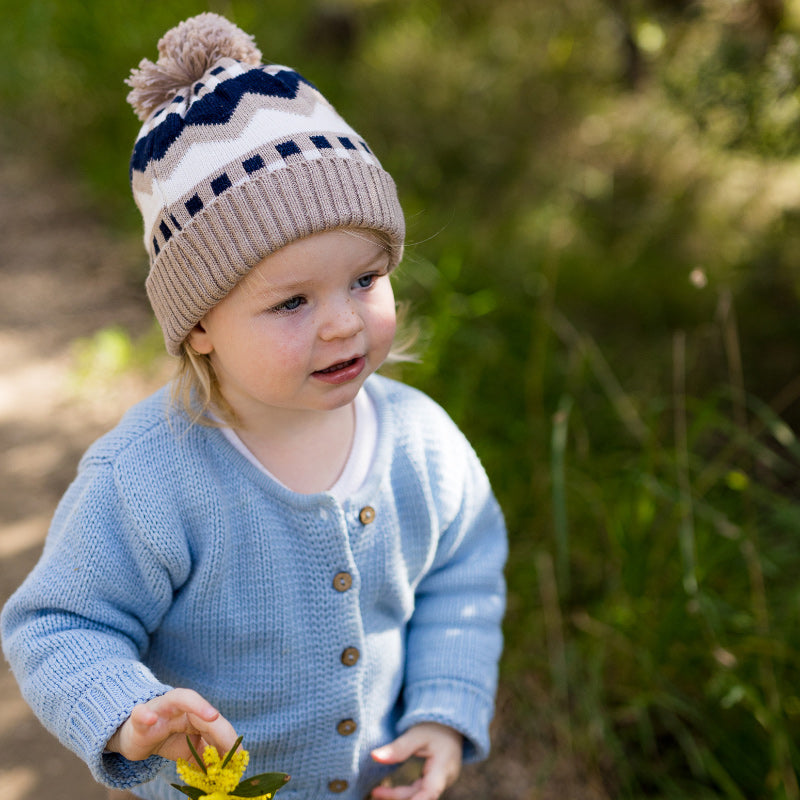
{"x": 173, "y": 561}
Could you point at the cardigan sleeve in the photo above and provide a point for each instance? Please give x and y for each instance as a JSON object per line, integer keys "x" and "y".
{"x": 76, "y": 629}
{"x": 454, "y": 635}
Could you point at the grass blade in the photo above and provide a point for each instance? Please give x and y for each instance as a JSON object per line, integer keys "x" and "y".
{"x": 558, "y": 448}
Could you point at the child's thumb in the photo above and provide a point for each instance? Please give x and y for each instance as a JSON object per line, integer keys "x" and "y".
{"x": 401, "y": 749}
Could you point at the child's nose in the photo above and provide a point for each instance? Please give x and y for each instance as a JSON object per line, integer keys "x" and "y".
{"x": 342, "y": 321}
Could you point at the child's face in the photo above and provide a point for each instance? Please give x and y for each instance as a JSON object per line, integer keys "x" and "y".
{"x": 305, "y": 328}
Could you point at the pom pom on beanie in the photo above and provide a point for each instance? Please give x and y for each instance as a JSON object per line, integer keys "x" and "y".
{"x": 235, "y": 160}
{"x": 185, "y": 54}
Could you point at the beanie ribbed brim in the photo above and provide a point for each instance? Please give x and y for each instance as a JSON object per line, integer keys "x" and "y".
{"x": 250, "y": 221}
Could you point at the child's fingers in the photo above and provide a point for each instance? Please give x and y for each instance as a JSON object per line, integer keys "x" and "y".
{"x": 217, "y": 732}
{"x": 438, "y": 745}
{"x": 395, "y": 792}
{"x": 438, "y": 776}
{"x": 160, "y": 726}
{"x": 425, "y": 788}
{"x": 391, "y": 753}
{"x": 178, "y": 702}
{"x": 401, "y": 749}
{"x": 185, "y": 712}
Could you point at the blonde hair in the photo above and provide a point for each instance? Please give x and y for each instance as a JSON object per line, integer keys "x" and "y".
{"x": 195, "y": 386}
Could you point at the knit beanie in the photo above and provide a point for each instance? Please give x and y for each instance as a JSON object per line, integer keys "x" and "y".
{"x": 235, "y": 160}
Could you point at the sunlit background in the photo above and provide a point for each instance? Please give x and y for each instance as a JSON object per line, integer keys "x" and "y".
{"x": 603, "y": 204}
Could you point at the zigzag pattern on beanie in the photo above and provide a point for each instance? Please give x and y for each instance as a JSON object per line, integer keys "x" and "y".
{"x": 205, "y": 107}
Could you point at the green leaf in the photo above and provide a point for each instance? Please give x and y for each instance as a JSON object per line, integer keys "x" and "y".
{"x": 266, "y": 783}
{"x": 200, "y": 762}
{"x": 189, "y": 791}
{"x": 232, "y": 751}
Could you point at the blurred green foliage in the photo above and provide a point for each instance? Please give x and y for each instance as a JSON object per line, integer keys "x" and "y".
{"x": 603, "y": 202}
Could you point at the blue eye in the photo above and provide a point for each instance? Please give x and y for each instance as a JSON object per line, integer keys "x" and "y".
{"x": 365, "y": 281}
{"x": 292, "y": 304}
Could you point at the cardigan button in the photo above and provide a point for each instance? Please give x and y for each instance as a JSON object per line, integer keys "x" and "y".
{"x": 366, "y": 515}
{"x": 337, "y": 787}
{"x": 342, "y": 581}
{"x": 350, "y": 656}
{"x": 346, "y": 727}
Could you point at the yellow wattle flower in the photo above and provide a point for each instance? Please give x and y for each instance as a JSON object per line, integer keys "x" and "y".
{"x": 193, "y": 776}
{"x": 217, "y": 781}
{"x": 226, "y": 796}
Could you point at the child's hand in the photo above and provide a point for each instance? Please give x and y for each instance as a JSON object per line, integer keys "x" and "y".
{"x": 160, "y": 726}
{"x": 440, "y": 746}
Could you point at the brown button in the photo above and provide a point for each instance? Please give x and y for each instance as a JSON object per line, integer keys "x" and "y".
{"x": 367, "y": 514}
{"x": 346, "y": 727}
{"x": 350, "y": 656}
{"x": 337, "y": 786}
{"x": 342, "y": 581}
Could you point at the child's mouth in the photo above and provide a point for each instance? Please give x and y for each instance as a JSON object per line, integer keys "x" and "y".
{"x": 342, "y": 372}
{"x": 336, "y": 367}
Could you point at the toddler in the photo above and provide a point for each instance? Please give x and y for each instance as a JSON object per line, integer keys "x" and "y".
{"x": 281, "y": 545}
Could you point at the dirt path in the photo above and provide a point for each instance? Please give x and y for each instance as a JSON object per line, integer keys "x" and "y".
{"x": 63, "y": 277}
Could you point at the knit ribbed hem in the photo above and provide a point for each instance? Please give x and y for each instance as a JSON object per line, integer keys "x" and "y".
{"x": 457, "y": 705}
{"x": 98, "y": 713}
{"x": 202, "y": 263}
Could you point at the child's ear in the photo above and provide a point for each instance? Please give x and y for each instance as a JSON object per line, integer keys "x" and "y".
{"x": 200, "y": 340}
